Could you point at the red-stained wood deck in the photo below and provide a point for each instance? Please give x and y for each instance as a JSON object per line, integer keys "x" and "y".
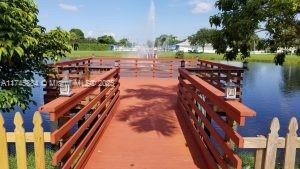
{"x": 146, "y": 131}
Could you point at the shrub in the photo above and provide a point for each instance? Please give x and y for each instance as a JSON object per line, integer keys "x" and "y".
{"x": 179, "y": 55}
{"x": 297, "y": 51}
{"x": 93, "y": 47}
{"x": 279, "y": 58}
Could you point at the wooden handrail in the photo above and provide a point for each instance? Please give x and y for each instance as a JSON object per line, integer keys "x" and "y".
{"x": 200, "y": 103}
{"x": 56, "y": 109}
{"x": 70, "y": 62}
{"x": 90, "y": 117}
{"x": 220, "y": 66}
{"x": 233, "y": 108}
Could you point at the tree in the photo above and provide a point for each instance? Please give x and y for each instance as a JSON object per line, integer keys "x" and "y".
{"x": 74, "y": 40}
{"x": 202, "y": 37}
{"x": 78, "y": 32}
{"x": 124, "y": 42}
{"x": 25, "y": 50}
{"x": 107, "y": 39}
{"x": 262, "y": 44}
{"x": 240, "y": 20}
{"x": 164, "y": 41}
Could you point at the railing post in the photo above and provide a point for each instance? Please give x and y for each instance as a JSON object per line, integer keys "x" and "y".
{"x": 136, "y": 68}
{"x": 171, "y": 68}
{"x": 117, "y": 63}
{"x": 182, "y": 63}
{"x": 153, "y": 68}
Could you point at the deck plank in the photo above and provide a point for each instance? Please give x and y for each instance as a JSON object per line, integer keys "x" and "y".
{"x": 145, "y": 132}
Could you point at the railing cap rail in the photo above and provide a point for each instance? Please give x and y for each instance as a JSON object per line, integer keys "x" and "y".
{"x": 233, "y": 108}
{"x": 66, "y": 62}
{"x": 60, "y": 103}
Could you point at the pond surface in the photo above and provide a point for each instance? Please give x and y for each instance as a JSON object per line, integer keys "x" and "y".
{"x": 38, "y": 97}
{"x": 272, "y": 91}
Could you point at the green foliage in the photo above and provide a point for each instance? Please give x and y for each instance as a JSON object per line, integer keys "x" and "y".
{"x": 124, "y": 42}
{"x": 262, "y": 44}
{"x": 93, "y": 47}
{"x": 202, "y": 37}
{"x": 106, "y": 39}
{"x": 79, "y": 33}
{"x": 241, "y": 20}
{"x": 248, "y": 159}
{"x": 25, "y": 48}
{"x": 165, "y": 41}
{"x": 297, "y": 51}
{"x": 31, "y": 160}
{"x": 279, "y": 58}
{"x": 179, "y": 55}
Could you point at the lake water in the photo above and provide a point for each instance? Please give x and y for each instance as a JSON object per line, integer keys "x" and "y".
{"x": 272, "y": 91}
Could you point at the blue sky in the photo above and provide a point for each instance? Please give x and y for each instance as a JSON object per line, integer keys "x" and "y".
{"x": 126, "y": 18}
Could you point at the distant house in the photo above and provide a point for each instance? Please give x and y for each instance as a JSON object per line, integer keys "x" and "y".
{"x": 186, "y": 46}
{"x": 208, "y": 48}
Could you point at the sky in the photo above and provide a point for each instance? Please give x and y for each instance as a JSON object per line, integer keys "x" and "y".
{"x": 126, "y": 18}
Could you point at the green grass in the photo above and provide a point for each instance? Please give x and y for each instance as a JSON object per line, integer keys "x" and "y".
{"x": 268, "y": 58}
{"x": 249, "y": 161}
{"x": 31, "y": 160}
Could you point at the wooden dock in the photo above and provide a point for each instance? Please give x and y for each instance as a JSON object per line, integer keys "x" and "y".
{"x": 149, "y": 119}
{"x": 145, "y": 131}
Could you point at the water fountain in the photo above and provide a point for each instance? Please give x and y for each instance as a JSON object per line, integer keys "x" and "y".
{"x": 147, "y": 50}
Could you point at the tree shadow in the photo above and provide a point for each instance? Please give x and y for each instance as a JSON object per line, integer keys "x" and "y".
{"x": 152, "y": 109}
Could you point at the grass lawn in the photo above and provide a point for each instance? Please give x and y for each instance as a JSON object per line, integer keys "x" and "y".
{"x": 290, "y": 59}
{"x": 31, "y": 160}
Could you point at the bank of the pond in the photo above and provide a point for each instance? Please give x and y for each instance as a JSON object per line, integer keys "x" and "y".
{"x": 267, "y": 58}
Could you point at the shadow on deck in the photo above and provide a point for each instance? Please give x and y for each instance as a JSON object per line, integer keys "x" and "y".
{"x": 146, "y": 131}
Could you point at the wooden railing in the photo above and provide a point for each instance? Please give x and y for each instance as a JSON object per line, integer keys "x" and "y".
{"x": 200, "y": 103}
{"x": 74, "y": 62}
{"x": 79, "y": 120}
{"x": 156, "y": 68}
{"x": 78, "y": 70}
{"x": 218, "y": 74}
{"x": 265, "y": 157}
{"x": 19, "y": 137}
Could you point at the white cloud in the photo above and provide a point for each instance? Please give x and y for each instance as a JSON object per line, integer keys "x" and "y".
{"x": 68, "y": 7}
{"x": 200, "y": 6}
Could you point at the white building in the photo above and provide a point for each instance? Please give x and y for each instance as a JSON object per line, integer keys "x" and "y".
{"x": 208, "y": 48}
{"x": 186, "y": 46}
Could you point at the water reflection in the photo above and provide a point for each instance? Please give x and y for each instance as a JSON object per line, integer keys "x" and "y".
{"x": 272, "y": 91}
{"x": 38, "y": 97}
{"x": 291, "y": 79}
